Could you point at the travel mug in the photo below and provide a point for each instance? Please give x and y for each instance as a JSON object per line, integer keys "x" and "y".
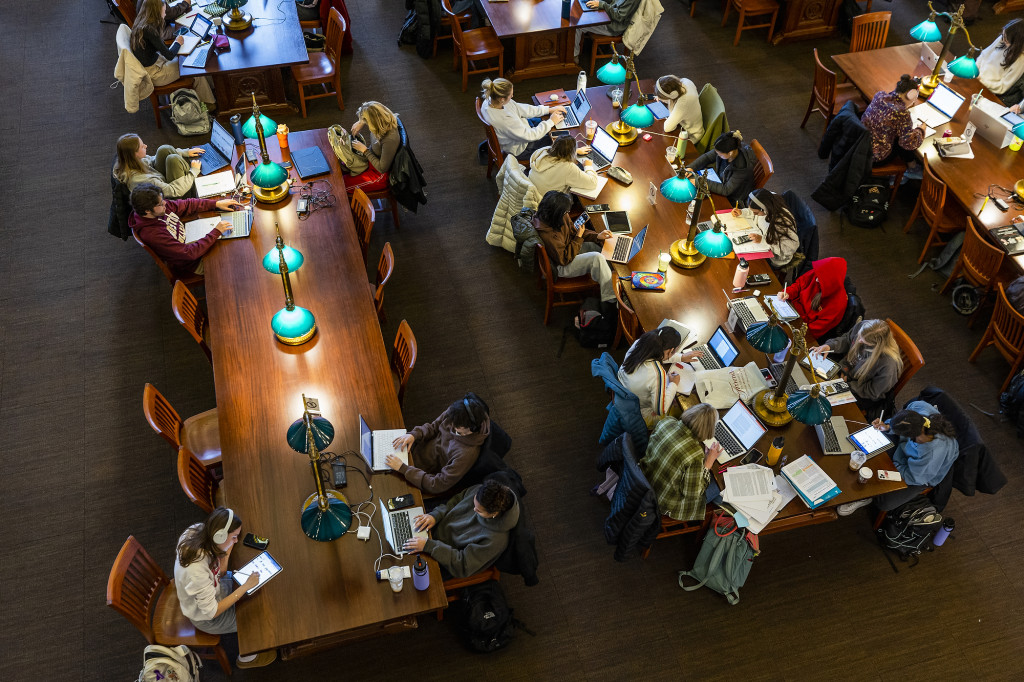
{"x": 236, "y": 129}
{"x": 775, "y": 450}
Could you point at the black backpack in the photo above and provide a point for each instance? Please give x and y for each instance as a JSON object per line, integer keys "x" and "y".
{"x": 487, "y": 620}
{"x": 907, "y": 530}
{"x": 594, "y": 324}
{"x": 1011, "y": 403}
{"x": 869, "y": 206}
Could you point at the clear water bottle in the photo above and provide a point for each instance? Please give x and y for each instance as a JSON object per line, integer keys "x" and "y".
{"x": 581, "y": 81}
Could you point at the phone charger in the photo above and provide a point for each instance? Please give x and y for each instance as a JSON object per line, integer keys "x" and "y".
{"x": 363, "y": 533}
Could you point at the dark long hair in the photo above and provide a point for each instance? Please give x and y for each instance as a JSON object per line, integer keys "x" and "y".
{"x": 553, "y": 207}
{"x": 468, "y": 412}
{"x": 199, "y": 544}
{"x": 1014, "y": 31}
{"x": 780, "y": 221}
{"x": 911, "y": 424}
{"x": 651, "y": 345}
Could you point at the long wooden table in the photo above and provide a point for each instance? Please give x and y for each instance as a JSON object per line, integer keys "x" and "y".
{"x": 697, "y": 299}
{"x": 328, "y": 591}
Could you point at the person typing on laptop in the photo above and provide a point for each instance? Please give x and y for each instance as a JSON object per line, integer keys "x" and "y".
{"x": 160, "y": 225}
{"x": 643, "y": 371}
{"x": 555, "y": 168}
{"x": 519, "y": 128}
{"x": 870, "y": 360}
{"x": 167, "y": 169}
{"x": 159, "y": 60}
{"x": 446, "y": 448}
{"x": 573, "y": 251}
{"x": 891, "y": 125}
{"x": 470, "y": 531}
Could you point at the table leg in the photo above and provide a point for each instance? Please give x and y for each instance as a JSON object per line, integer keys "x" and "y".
{"x": 544, "y": 54}
{"x": 234, "y": 91}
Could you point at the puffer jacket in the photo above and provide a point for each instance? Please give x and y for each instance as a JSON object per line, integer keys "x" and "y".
{"x": 847, "y": 146}
{"x": 634, "y": 521}
{"x": 624, "y": 409}
{"x": 517, "y": 192}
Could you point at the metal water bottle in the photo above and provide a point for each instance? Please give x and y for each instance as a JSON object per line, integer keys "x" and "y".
{"x": 420, "y": 574}
{"x": 236, "y": 129}
{"x": 581, "y": 81}
{"x": 943, "y": 533}
{"x": 739, "y": 280}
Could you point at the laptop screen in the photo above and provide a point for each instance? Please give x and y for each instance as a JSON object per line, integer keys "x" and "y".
{"x": 200, "y": 25}
{"x": 945, "y": 100}
{"x": 221, "y": 140}
{"x": 723, "y": 347}
{"x": 638, "y": 243}
{"x": 743, "y": 424}
{"x": 1011, "y": 118}
{"x": 581, "y": 105}
{"x": 365, "y": 441}
{"x": 605, "y": 144}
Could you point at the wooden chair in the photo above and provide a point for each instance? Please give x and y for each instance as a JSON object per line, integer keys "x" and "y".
{"x": 599, "y": 41}
{"x": 895, "y": 170}
{"x": 322, "y": 69}
{"x": 752, "y": 8}
{"x": 191, "y": 280}
{"x": 1005, "y": 331}
{"x": 870, "y": 31}
{"x": 463, "y": 19}
{"x": 187, "y": 311}
{"x": 629, "y": 325}
{"x": 139, "y": 590}
{"x": 577, "y": 287}
{"x": 827, "y": 96}
{"x": 474, "y": 45}
{"x": 199, "y": 433}
{"x": 364, "y": 216}
{"x": 671, "y": 527}
{"x": 495, "y": 157}
{"x": 931, "y": 204}
{"x": 127, "y": 9}
{"x": 763, "y": 168}
{"x": 200, "y": 483}
{"x": 385, "y": 266}
{"x": 453, "y": 586}
{"x": 909, "y": 354}
{"x": 979, "y": 263}
{"x": 403, "y": 357}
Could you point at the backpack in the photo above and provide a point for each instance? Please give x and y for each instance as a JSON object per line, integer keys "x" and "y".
{"x": 1011, "y": 403}
{"x": 724, "y": 560}
{"x": 594, "y": 324}
{"x": 907, "y": 530}
{"x": 173, "y": 664}
{"x": 341, "y": 143}
{"x": 188, "y": 113}
{"x": 526, "y": 238}
{"x": 869, "y": 206}
{"x": 487, "y": 620}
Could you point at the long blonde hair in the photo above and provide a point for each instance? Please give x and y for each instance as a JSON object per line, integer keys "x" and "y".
{"x": 378, "y": 117}
{"x": 701, "y": 420}
{"x": 127, "y": 162}
{"x": 151, "y": 13}
{"x": 496, "y": 89}
{"x": 874, "y": 337}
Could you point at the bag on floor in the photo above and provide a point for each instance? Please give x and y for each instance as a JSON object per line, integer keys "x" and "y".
{"x": 908, "y": 529}
{"x": 869, "y": 206}
{"x": 724, "y": 560}
{"x": 172, "y": 664}
{"x": 487, "y": 620}
{"x": 341, "y": 143}
{"x": 188, "y": 113}
{"x": 594, "y": 324}
{"x": 1011, "y": 403}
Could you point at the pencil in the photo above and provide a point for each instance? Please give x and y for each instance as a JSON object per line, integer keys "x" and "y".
{"x": 985, "y": 203}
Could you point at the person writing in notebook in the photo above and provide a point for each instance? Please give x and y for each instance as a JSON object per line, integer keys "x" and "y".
{"x": 160, "y": 60}
{"x": 891, "y": 126}
{"x": 160, "y": 224}
{"x": 775, "y": 224}
{"x": 819, "y": 296}
{"x": 644, "y": 375}
{"x": 574, "y": 251}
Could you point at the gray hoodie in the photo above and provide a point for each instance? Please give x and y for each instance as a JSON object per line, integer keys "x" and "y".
{"x": 464, "y": 542}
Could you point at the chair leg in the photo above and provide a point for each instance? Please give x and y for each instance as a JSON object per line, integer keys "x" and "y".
{"x": 1013, "y": 372}
{"x": 981, "y": 304}
{"x": 618, "y": 336}
{"x": 810, "y": 108}
{"x": 222, "y": 659}
{"x": 956, "y": 273}
{"x": 739, "y": 27}
{"x": 913, "y": 215}
{"x": 394, "y": 211}
{"x": 986, "y": 339}
{"x": 771, "y": 29}
{"x": 549, "y": 303}
{"x": 155, "y": 100}
{"x": 725, "y": 16}
{"x": 465, "y": 73}
{"x": 896, "y": 180}
{"x": 302, "y": 99}
{"x": 337, "y": 89}
{"x": 593, "y": 57}
{"x": 933, "y": 240}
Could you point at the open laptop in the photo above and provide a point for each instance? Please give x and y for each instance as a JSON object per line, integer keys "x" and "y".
{"x": 221, "y": 182}
{"x": 602, "y": 149}
{"x": 196, "y": 32}
{"x": 719, "y": 351}
{"x": 398, "y": 527}
{"x": 241, "y": 225}
{"x": 993, "y": 122}
{"x": 940, "y": 108}
{"x": 738, "y": 431}
{"x": 834, "y": 437}
{"x": 622, "y": 248}
{"x": 374, "y": 446}
{"x": 218, "y": 151}
{"x": 747, "y": 310}
{"x": 576, "y": 112}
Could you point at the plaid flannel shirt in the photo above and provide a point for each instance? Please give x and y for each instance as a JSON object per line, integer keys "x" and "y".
{"x": 674, "y": 466}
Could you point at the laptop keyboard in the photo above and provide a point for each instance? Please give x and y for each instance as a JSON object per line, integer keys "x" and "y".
{"x": 197, "y": 58}
{"x": 745, "y": 315}
{"x": 726, "y": 440}
{"x": 828, "y": 435}
{"x": 401, "y": 530}
{"x": 382, "y": 447}
{"x": 621, "y": 248}
{"x": 708, "y": 360}
{"x": 240, "y": 220}
{"x": 776, "y": 370}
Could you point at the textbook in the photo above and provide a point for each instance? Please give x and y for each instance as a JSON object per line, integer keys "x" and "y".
{"x": 810, "y": 481}
{"x": 1010, "y": 238}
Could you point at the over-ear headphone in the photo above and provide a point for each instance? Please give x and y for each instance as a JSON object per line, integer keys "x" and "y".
{"x": 469, "y": 411}
{"x": 221, "y": 536}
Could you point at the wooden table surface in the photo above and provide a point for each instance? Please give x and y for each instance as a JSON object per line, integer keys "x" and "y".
{"x": 324, "y": 588}
{"x": 968, "y": 179}
{"x": 518, "y": 17}
{"x": 696, "y": 298}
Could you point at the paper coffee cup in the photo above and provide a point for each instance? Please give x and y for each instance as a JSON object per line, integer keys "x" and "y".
{"x": 865, "y": 474}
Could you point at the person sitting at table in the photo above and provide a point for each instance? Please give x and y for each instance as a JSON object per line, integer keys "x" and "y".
{"x": 385, "y": 139}
{"x": 681, "y": 97}
{"x": 555, "y": 168}
{"x": 644, "y": 375}
{"x": 173, "y": 12}
{"x": 518, "y": 126}
{"x": 160, "y": 225}
{"x": 927, "y": 449}
{"x": 770, "y": 215}
{"x": 203, "y": 584}
{"x": 619, "y": 11}
{"x": 870, "y": 362}
{"x": 819, "y": 295}
{"x": 1001, "y": 64}
{"x": 891, "y": 126}
{"x": 167, "y": 169}
{"x": 470, "y": 530}
{"x": 574, "y": 252}
{"x": 446, "y": 448}
{"x": 678, "y": 466}
{"x": 158, "y": 59}
{"x": 733, "y": 162}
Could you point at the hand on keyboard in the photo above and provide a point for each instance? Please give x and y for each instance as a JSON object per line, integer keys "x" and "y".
{"x": 393, "y": 462}
{"x": 224, "y": 227}
{"x": 403, "y": 442}
{"x": 415, "y": 544}
{"x": 423, "y": 522}
{"x": 228, "y": 204}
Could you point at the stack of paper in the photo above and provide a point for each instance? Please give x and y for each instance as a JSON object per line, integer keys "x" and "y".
{"x": 755, "y": 492}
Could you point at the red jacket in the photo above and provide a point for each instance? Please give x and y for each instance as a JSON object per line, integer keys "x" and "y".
{"x": 827, "y": 276}
{"x": 182, "y": 259}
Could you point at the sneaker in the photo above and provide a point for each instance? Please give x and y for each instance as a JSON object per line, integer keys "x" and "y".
{"x": 850, "y": 507}
{"x": 262, "y": 658}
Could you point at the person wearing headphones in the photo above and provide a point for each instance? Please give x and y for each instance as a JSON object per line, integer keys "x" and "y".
{"x": 891, "y": 125}
{"x": 445, "y": 448}
{"x": 680, "y": 96}
{"x": 644, "y": 375}
{"x": 203, "y": 583}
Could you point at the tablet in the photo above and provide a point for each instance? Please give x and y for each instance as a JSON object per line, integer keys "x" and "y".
{"x": 265, "y": 564}
{"x": 870, "y": 441}
{"x": 659, "y": 110}
{"x": 822, "y": 365}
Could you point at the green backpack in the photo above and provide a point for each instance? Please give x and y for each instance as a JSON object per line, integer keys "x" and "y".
{"x": 724, "y": 560}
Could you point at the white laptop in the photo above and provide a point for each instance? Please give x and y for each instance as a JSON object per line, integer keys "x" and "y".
{"x": 940, "y": 108}
{"x": 622, "y": 248}
{"x": 994, "y": 121}
{"x": 719, "y": 352}
{"x": 834, "y": 437}
{"x": 374, "y": 446}
{"x": 576, "y": 112}
{"x": 398, "y": 527}
{"x": 738, "y": 431}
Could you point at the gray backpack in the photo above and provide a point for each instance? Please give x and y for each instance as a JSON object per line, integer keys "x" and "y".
{"x": 526, "y": 236}
{"x": 170, "y": 664}
{"x": 724, "y": 560}
{"x": 189, "y": 114}
{"x": 341, "y": 143}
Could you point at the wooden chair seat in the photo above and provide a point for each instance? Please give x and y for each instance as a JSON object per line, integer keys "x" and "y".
{"x": 165, "y": 91}
{"x": 560, "y": 287}
{"x": 480, "y": 43}
{"x": 445, "y": 32}
{"x": 201, "y": 434}
{"x": 171, "y": 625}
{"x": 895, "y": 170}
{"x": 752, "y": 8}
{"x": 596, "y": 43}
{"x": 322, "y": 69}
{"x": 311, "y": 25}
{"x": 318, "y": 68}
{"x": 672, "y": 527}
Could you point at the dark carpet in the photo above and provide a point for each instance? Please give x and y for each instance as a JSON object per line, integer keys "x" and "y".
{"x": 86, "y": 322}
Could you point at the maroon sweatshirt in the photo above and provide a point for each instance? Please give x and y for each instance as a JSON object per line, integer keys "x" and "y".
{"x": 181, "y": 258}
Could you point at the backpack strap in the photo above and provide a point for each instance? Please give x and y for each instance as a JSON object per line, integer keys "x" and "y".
{"x": 713, "y": 563}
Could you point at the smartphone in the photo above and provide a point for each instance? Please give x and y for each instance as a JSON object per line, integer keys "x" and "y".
{"x": 400, "y": 502}
{"x": 758, "y": 280}
{"x": 340, "y": 478}
{"x": 255, "y": 541}
{"x": 250, "y": 154}
{"x": 598, "y": 208}
{"x": 768, "y": 377}
{"x": 889, "y": 475}
{"x": 752, "y": 457}
{"x": 581, "y": 221}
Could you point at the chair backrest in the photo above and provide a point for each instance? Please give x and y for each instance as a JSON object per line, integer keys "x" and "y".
{"x": 127, "y": 9}
{"x": 870, "y": 31}
{"x": 157, "y": 259}
{"x": 933, "y": 195}
{"x": 187, "y": 311}
{"x": 824, "y": 86}
{"x": 911, "y": 356}
{"x": 403, "y": 356}
{"x": 134, "y": 585}
{"x": 712, "y": 111}
{"x": 1008, "y": 325}
{"x": 981, "y": 260}
{"x": 631, "y": 328}
{"x": 362, "y": 211}
{"x": 493, "y": 145}
{"x": 453, "y": 19}
{"x": 161, "y": 416}
{"x": 196, "y": 480}
{"x": 763, "y": 168}
{"x": 334, "y": 35}
{"x": 385, "y": 266}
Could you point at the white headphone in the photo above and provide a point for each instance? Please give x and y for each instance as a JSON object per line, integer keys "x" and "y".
{"x": 221, "y": 536}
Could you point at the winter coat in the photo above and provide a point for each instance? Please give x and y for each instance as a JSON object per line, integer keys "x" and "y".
{"x": 624, "y": 409}
{"x": 517, "y": 192}
{"x": 827, "y": 276}
{"x": 634, "y": 521}
{"x": 737, "y": 176}
{"x": 847, "y": 146}
{"x": 406, "y": 176}
{"x": 120, "y": 209}
{"x": 527, "y": 238}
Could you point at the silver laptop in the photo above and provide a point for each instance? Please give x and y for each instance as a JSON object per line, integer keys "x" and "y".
{"x": 398, "y": 527}
{"x": 375, "y": 446}
{"x": 796, "y": 379}
{"x": 576, "y": 112}
{"x": 834, "y": 437}
{"x": 738, "y": 431}
{"x": 623, "y": 248}
{"x": 719, "y": 352}
{"x": 994, "y": 122}
{"x": 940, "y": 108}
{"x": 602, "y": 149}
{"x": 747, "y": 310}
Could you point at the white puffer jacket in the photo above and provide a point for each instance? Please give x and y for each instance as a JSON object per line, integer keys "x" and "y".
{"x": 516, "y": 192}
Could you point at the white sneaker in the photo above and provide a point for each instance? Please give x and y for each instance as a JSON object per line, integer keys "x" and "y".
{"x": 850, "y": 507}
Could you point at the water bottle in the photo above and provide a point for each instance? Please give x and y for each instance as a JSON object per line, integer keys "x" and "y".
{"x": 581, "y": 81}
{"x": 420, "y": 574}
{"x": 739, "y": 280}
{"x": 943, "y": 533}
{"x": 236, "y": 129}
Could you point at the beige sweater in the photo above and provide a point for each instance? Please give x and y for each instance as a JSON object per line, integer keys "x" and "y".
{"x": 548, "y": 173}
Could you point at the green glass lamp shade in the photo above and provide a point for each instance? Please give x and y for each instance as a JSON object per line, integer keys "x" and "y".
{"x": 964, "y": 67}
{"x": 637, "y": 116}
{"x": 231, "y": 4}
{"x": 292, "y": 257}
{"x": 249, "y": 127}
{"x": 293, "y": 326}
{"x": 713, "y": 244}
{"x": 679, "y": 190}
{"x": 612, "y": 73}
{"x": 298, "y": 434}
{"x": 268, "y": 174}
{"x": 808, "y": 410}
{"x": 767, "y": 338}
{"x": 326, "y": 525}
{"x": 1018, "y": 129}
{"x": 926, "y": 31}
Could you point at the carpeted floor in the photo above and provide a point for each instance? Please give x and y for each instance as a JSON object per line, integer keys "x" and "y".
{"x": 86, "y": 322}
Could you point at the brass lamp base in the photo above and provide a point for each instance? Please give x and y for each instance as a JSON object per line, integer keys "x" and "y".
{"x": 271, "y": 195}
{"x": 623, "y": 134}
{"x": 685, "y": 255}
{"x": 927, "y": 86}
{"x": 237, "y": 21}
{"x": 772, "y": 410}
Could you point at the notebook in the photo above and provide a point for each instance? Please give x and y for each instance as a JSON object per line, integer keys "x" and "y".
{"x": 375, "y": 446}
{"x": 940, "y": 108}
{"x": 719, "y": 352}
{"x": 309, "y": 162}
{"x": 196, "y": 32}
{"x": 398, "y": 527}
{"x": 737, "y": 431}
{"x": 218, "y": 151}
{"x": 576, "y": 112}
{"x": 622, "y": 248}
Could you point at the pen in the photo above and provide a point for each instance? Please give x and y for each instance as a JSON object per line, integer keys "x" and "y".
{"x": 984, "y": 204}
